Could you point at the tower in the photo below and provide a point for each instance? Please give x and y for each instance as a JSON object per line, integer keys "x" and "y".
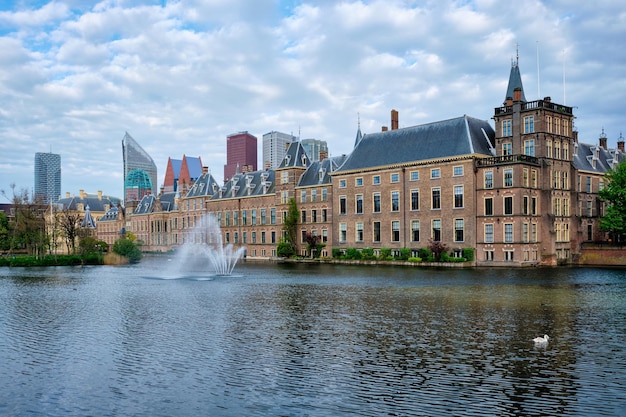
{"x": 275, "y": 145}
{"x": 48, "y": 177}
{"x": 140, "y": 171}
{"x": 241, "y": 152}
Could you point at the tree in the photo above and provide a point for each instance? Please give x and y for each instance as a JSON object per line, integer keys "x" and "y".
{"x": 5, "y": 232}
{"x": 614, "y": 195}
{"x": 127, "y": 248}
{"x": 69, "y": 223}
{"x": 29, "y": 226}
{"x": 290, "y": 225}
{"x": 437, "y": 248}
{"x": 311, "y": 241}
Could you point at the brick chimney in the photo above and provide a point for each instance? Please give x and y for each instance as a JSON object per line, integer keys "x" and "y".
{"x": 517, "y": 94}
{"x": 81, "y": 193}
{"x": 394, "y": 119}
{"x": 323, "y": 155}
{"x": 620, "y": 145}
{"x": 99, "y": 194}
{"x": 603, "y": 142}
{"x": 385, "y": 128}
{"x": 205, "y": 169}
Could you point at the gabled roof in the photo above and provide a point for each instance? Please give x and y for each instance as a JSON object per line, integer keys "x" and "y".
{"x": 194, "y": 164}
{"x": 295, "y": 157}
{"x": 146, "y": 205}
{"x": 449, "y": 138}
{"x": 583, "y": 158}
{"x": 205, "y": 185}
{"x": 247, "y": 184}
{"x": 88, "y": 221}
{"x": 168, "y": 201}
{"x": 319, "y": 172}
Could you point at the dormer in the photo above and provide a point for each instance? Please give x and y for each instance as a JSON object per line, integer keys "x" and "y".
{"x": 303, "y": 158}
{"x": 266, "y": 186}
{"x": 321, "y": 174}
{"x": 287, "y": 159}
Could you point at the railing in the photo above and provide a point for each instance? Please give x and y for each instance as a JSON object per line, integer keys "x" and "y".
{"x": 506, "y": 160}
{"x": 537, "y": 104}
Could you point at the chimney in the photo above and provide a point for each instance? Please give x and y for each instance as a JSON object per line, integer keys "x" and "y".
{"x": 323, "y": 155}
{"x": 385, "y": 129}
{"x": 517, "y": 94}
{"x": 394, "y": 119}
{"x": 603, "y": 142}
{"x": 67, "y": 194}
{"x": 268, "y": 165}
{"x": 205, "y": 169}
{"x": 547, "y": 99}
{"x": 99, "y": 194}
{"x": 620, "y": 145}
{"x": 81, "y": 193}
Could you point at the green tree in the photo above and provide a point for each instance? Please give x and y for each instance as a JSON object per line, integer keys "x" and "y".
{"x": 127, "y": 248}
{"x": 614, "y": 195}
{"x": 29, "y": 225}
{"x": 290, "y": 225}
{"x": 5, "y": 232}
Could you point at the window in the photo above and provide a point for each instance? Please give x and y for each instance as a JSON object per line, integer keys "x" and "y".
{"x": 506, "y": 128}
{"x": 489, "y": 233}
{"x": 324, "y": 236}
{"x": 376, "y": 230}
{"x": 359, "y": 204}
{"x": 507, "y": 149}
{"x": 245, "y": 237}
{"x": 529, "y": 147}
{"x": 589, "y": 209}
{"x": 235, "y": 218}
{"x": 359, "y": 232}
{"x": 273, "y": 237}
{"x": 324, "y": 215}
{"x": 459, "y": 225}
{"x": 395, "y": 201}
{"x": 458, "y": 196}
{"x": 436, "y": 235}
{"x": 262, "y": 237}
{"x": 589, "y": 232}
{"x": 508, "y": 255}
{"x": 533, "y": 206}
{"x": 415, "y": 231}
{"x": 253, "y": 217}
{"x": 588, "y": 184}
{"x": 313, "y": 196}
{"x": 358, "y": 182}
{"x": 303, "y": 196}
{"x": 508, "y": 177}
{"x": 489, "y": 206}
{"x": 525, "y": 179}
{"x": 376, "y": 202}
{"x": 314, "y": 216}
{"x": 376, "y": 179}
{"x": 488, "y": 179}
{"x": 435, "y": 173}
{"x": 244, "y": 217}
{"x": 395, "y": 177}
{"x": 303, "y": 216}
{"x": 457, "y": 171}
{"x": 324, "y": 194}
{"x": 533, "y": 232}
{"x": 508, "y": 232}
{"x": 533, "y": 178}
{"x": 343, "y": 232}
{"x": 529, "y": 124}
{"x": 253, "y": 237}
{"x": 525, "y": 205}
{"x": 342, "y": 205}
{"x": 342, "y": 183}
{"x": 489, "y": 255}
{"x": 549, "y": 148}
{"x": 227, "y": 218}
{"x": 395, "y": 231}
{"x": 284, "y": 197}
{"x": 415, "y": 200}
{"x": 272, "y": 216}
{"x": 415, "y": 175}
{"x": 436, "y": 198}
{"x": 525, "y": 231}
{"x": 508, "y": 206}
{"x": 285, "y": 177}
{"x": 263, "y": 215}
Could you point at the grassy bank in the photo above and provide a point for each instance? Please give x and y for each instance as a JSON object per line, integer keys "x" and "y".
{"x": 51, "y": 260}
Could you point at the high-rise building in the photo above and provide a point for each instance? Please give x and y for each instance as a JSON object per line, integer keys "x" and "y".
{"x": 48, "y": 176}
{"x": 275, "y": 146}
{"x": 140, "y": 171}
{"x": 313, "y": 148}
{"x": 241, "y": 152}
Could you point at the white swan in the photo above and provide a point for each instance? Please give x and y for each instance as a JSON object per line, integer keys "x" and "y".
{"x": 541, "y": 340}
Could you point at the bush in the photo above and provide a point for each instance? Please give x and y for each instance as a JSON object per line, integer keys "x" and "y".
{"x": 284, "y": 250}
{"x": 405, "y": 253}
{"x": 337, "y": 253}
{"x": 352, "y": 253}
{"x": 425, "y": 253}
{"x": 415, "y": 259}
{"x": 468, "y": 253}
{"x": 126, "y": 248}
{"x": 385, "y": 254}
{"x": 367, "y": 253}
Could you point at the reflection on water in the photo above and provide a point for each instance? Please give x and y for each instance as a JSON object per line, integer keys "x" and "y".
{"x": 318, "y": 340}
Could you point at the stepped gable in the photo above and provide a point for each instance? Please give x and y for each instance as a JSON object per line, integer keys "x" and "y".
{"x": 319, "y": 172}
{"x": 248, "y": 184}
{"x": 449, "y": 138}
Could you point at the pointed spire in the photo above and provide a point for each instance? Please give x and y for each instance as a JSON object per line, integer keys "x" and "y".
{"x": 359, "y": 136}
{"x": 515, "y": 83}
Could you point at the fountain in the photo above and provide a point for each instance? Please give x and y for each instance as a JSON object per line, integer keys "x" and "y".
{"x": 205, "y": 243}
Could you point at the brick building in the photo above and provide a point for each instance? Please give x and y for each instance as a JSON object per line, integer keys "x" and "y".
{"x": 241, "y": 150}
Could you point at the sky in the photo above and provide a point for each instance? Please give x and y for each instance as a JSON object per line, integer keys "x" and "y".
{"x": 181, "y": 75}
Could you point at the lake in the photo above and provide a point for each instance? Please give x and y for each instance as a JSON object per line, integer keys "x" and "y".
{"x": 311, "y": 340}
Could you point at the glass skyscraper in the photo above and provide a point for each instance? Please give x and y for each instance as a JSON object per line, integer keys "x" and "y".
{"x": 48, "y": 177}
{"x": 140, "y": 171}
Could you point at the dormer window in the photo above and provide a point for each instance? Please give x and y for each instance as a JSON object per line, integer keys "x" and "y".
{"x": 287, "y": 159}
{"x": 304, "y": 160}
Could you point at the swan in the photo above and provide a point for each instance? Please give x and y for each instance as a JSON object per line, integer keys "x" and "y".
{"x": 541, "y": 340}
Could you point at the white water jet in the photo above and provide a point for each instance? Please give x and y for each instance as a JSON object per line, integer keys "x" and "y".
{"x": 205, "y": 243}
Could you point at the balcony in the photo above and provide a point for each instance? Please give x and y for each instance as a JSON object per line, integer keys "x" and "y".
{"x": 507, "y": 160}
{"x": 537, "y": 104}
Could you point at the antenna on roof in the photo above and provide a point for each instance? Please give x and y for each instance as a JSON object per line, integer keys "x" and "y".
{"x": 358, "y": 120}
{"x": 516, "y": 54}
{"x": 538, "y": 83}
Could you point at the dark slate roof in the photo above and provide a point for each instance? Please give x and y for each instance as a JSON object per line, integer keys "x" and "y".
{"x": 96, "y": 204}
{"x": 146, "y": 205}
{"x": 295, "y": 157}
{"x": 449, "y": 138}
{"x": 168, "y": 201}
{"x": 247, "y": 185}
{"x": 358, "y": 138}
{"x": 319, "y": 172}
{"x": 88, "y": 221}
{"x": 583, "y": 158}
{"x": 205, "y": 185}
{"x": 111, "y": 215}
{"x": 515, "y": 81}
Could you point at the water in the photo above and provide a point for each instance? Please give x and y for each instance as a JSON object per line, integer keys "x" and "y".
{"x": 311, "y": 340}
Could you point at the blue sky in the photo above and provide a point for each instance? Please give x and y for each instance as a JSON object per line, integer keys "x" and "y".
{"x": 181, "y": 75}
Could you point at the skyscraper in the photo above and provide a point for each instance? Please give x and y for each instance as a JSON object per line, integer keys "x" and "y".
{"x": 275, "y": 146}
{"x": 140, "y": 171}
{"x": 241, "y": 151}
{"x": 313, "y": 148}
{"x": 48, "y": 176}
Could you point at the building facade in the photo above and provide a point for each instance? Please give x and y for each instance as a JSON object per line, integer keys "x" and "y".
{"x": 48, "y": 177}
{"x": 275, "y": 145}
{"x": 241, "y": 154}
{"x": 315, "y": 148}
{"x": 140, "y": 172}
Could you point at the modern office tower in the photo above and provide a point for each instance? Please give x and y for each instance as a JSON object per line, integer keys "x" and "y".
{"x": 140, "y": 171}
{"x": 241, "y": 152}
{"x": 313, "y": 148}
{"x": 275, "y": 146}
{"x": 48, "y": 176}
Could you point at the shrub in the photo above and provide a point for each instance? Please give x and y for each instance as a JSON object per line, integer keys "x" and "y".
{"x": 468, "y": 253}
{"x": 424, "y": 253}
{"x": 337, "y": 253}
{"x": 385, "y": 254}
{"x": 284, "y": 249}
{"x": 352, "y": 253}
{"x": 367, "y": 253}
{"x": 127, "y": 248}
{"x": 415, "y": 259}
{"x": 405, "y": 253}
